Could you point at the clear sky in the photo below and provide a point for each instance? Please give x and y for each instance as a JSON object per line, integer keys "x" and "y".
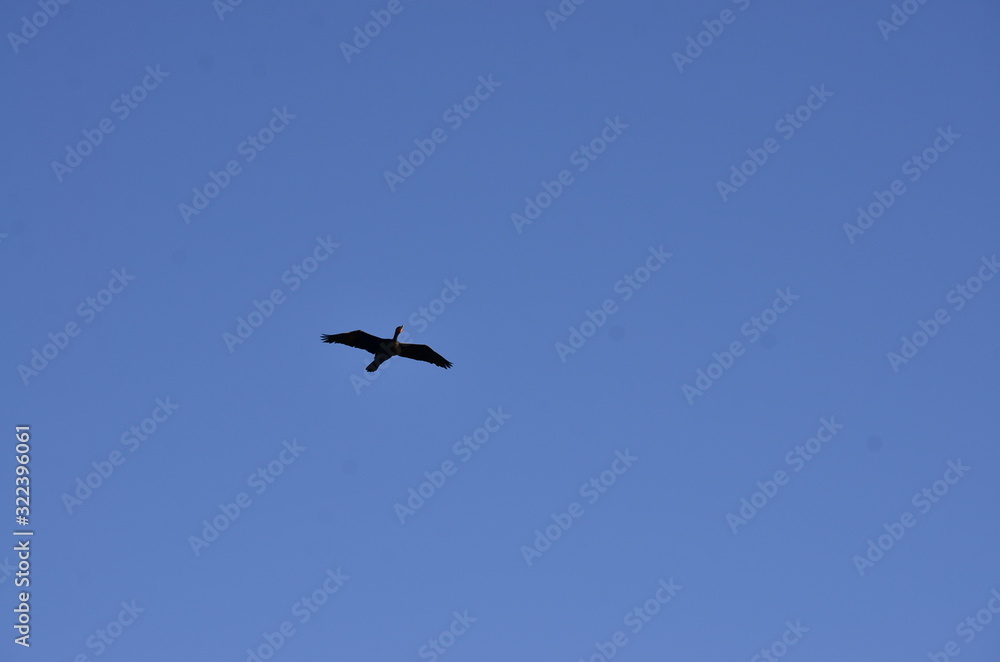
{"x": 718, "y": 280}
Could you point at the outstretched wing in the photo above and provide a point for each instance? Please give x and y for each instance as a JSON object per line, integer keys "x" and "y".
{"x": 359, "y": 339}
{"x": 423, "y": 353}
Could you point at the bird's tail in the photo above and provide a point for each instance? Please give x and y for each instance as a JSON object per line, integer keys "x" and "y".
{"x": 373, "y": 366}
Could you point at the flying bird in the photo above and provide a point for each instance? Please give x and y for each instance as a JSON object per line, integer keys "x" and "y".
{"x": 384, "y": 349}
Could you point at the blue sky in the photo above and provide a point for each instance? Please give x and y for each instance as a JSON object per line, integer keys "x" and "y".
{"x": 717, "y": 280}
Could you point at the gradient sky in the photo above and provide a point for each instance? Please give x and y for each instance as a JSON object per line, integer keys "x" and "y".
{"x": 644, "y": 257}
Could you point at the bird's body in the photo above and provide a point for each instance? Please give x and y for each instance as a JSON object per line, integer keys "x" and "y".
{"x": 384, "y": 349}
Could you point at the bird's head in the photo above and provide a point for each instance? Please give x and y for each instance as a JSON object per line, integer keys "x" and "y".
{"x": 398, "y": 330}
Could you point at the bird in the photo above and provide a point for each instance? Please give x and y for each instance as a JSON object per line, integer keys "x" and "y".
{"x": 384, "y": 349}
